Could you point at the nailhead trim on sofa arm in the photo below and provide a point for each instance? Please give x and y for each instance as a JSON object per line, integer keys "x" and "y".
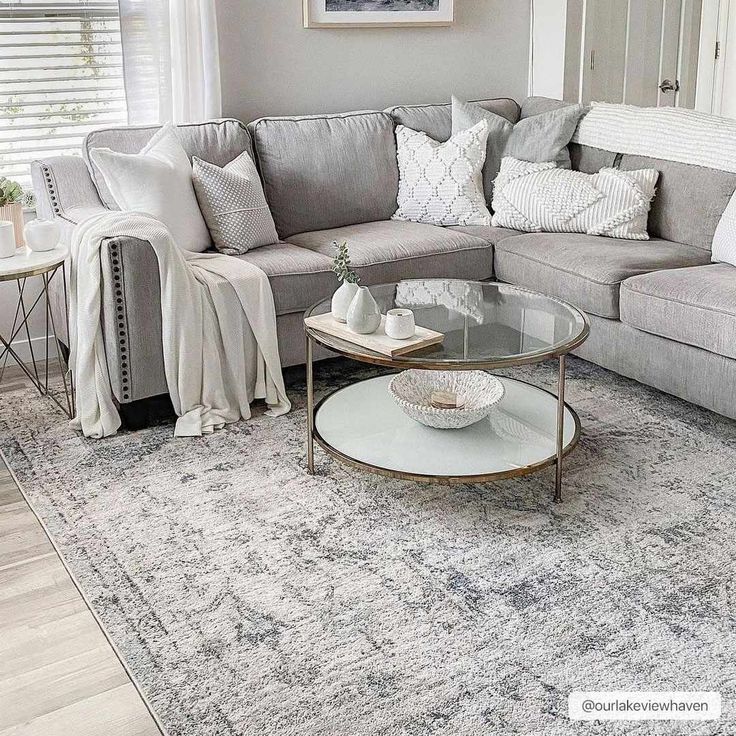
{"x": 132, "y": 319}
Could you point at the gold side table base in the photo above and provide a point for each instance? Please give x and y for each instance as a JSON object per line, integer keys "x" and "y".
{"x": 560, "y": 448}
{"x": 39, "y": 375}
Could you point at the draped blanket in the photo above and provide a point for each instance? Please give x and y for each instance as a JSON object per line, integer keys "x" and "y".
{"x": 219, "y": 331}
{"x": 670, "y": 133}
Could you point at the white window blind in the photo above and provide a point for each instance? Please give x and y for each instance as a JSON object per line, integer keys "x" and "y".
{"x": 60, "y": 77}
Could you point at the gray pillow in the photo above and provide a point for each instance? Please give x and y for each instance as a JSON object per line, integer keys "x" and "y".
{"x": 537, "y": 139}
{"x": 233, "y": 204}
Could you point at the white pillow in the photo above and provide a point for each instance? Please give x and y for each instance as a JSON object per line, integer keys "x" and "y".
{"x": 724, "y": 238}
{"x": 157, "y": 181}
{"x": 539, "y": 197}
{"x": 441, "y": 183}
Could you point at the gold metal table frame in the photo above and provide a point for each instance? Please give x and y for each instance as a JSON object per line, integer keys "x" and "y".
{"x": 360, "y": 354}
{"x": 25, "y": 307}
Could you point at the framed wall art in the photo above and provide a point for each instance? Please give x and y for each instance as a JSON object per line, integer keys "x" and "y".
{"x": 377, "y": 13}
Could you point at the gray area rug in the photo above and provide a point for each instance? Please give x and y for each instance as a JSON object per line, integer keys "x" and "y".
{"x": 250, "y": 598}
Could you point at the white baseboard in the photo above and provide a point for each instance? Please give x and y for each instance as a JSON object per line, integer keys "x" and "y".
{"x": 23, "y": 348}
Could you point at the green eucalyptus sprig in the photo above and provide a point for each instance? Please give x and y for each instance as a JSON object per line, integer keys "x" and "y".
{"x": 10, "y": 191}
{"x": 341, "y": 264}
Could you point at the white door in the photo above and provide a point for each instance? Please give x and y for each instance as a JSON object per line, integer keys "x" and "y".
{"x": 640, "y": 52}
{"x": 717, "y": 67}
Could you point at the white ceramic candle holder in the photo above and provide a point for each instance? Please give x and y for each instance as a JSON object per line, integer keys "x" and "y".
{"x": 400, "y": 324}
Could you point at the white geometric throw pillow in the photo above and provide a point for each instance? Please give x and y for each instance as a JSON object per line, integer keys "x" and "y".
{"x": 441, "y": 183}
{"x": 724, "y": 238}
{"x": 233, "y": 204}
{"x": 539, "y": 197}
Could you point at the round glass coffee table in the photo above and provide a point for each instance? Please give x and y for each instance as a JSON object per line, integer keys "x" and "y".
{"x": 486, "y": 326}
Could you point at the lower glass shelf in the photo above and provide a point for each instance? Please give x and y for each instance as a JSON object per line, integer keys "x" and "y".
{"x": 361, "y": 425}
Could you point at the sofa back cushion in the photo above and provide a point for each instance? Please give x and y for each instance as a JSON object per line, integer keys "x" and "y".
{"x": 436, "y": 120}
{"x": 689, "y": 201}
{"x": 217, "y": 142}
{"x": 325, "y": 171}
{"x": 590, "y": 160}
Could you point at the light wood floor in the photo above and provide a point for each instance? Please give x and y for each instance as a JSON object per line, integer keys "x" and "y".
{"x": 59, "y": 676}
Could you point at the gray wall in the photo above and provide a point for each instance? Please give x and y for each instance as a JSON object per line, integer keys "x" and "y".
{"x": 271, "y": 65}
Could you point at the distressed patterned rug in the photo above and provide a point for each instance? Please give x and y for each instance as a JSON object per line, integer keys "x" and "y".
{"x": 249, "y": 598}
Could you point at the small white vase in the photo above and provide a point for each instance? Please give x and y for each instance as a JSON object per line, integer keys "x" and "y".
{"x": 341, "y": 300}
{"x": 364, "y": 317}
{"x": 42, "y": 235}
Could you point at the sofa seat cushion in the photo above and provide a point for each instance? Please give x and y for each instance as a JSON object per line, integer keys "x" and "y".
{"x": 695, "y": 306}
{"x": 390, "y": 250}
{"x": 586, "y": 270}
{"x": 299, "y": 277}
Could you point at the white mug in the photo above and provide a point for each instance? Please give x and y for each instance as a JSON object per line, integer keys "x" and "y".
{"x": 400, "y": 324}
{"x": 7, "y": 239}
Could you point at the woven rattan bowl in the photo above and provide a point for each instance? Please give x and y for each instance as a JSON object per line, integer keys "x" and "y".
{"x": 412, "y": 390}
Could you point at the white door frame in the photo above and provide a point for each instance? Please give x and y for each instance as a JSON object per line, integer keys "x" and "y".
{"x": 713, "y": 30}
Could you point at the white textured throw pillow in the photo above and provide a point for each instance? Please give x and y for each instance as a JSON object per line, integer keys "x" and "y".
{"x": 233, "y": 204}
{"x": 441, "y": 183}
{"x": 538, "y": 197}
{"x": 724, "y": 238}
{"x": 158, "y": 182}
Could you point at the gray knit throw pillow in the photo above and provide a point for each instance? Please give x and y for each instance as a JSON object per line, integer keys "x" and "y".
{"x": 538, "y": 138}
{"x": 233, "y": 204}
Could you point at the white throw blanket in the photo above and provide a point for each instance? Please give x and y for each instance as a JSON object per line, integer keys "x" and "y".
{"x": 219, "y": 331}
{"x": 670, "y": 133}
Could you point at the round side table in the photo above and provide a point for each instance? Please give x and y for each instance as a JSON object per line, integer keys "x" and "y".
{"x": 46, "y": 266}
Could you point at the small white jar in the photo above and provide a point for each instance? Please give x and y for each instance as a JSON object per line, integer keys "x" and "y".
{"x": 400, "y": 324}
{"x": 42, "y": 235}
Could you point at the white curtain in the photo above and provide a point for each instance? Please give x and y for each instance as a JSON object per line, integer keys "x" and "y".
{"x": 171, "y": 60}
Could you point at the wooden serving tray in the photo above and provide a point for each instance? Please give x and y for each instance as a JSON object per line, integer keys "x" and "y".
{"x": 378, "y": 341}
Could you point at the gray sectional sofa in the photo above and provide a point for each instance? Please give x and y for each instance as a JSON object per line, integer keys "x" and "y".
{"x": 660, "y": 312}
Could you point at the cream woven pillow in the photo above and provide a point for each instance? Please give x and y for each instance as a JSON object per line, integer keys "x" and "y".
{"x": 441, "y": 183}
{"x": 538, "y": 197}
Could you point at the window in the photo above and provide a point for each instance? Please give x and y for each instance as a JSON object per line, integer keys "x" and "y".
{"x": 60, "y": 77}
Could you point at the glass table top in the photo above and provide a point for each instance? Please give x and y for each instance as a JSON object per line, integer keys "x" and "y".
{"x": 485, "y": 324}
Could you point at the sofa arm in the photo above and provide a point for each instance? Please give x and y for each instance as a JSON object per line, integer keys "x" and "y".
{"x": 131, "y": 310}
{"x": 65, "y": 191}
{"x": 131, "y": 291}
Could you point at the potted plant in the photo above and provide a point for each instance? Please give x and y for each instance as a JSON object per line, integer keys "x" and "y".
{"x": 348, "y": 288}
{"x": 12, "y": 201}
